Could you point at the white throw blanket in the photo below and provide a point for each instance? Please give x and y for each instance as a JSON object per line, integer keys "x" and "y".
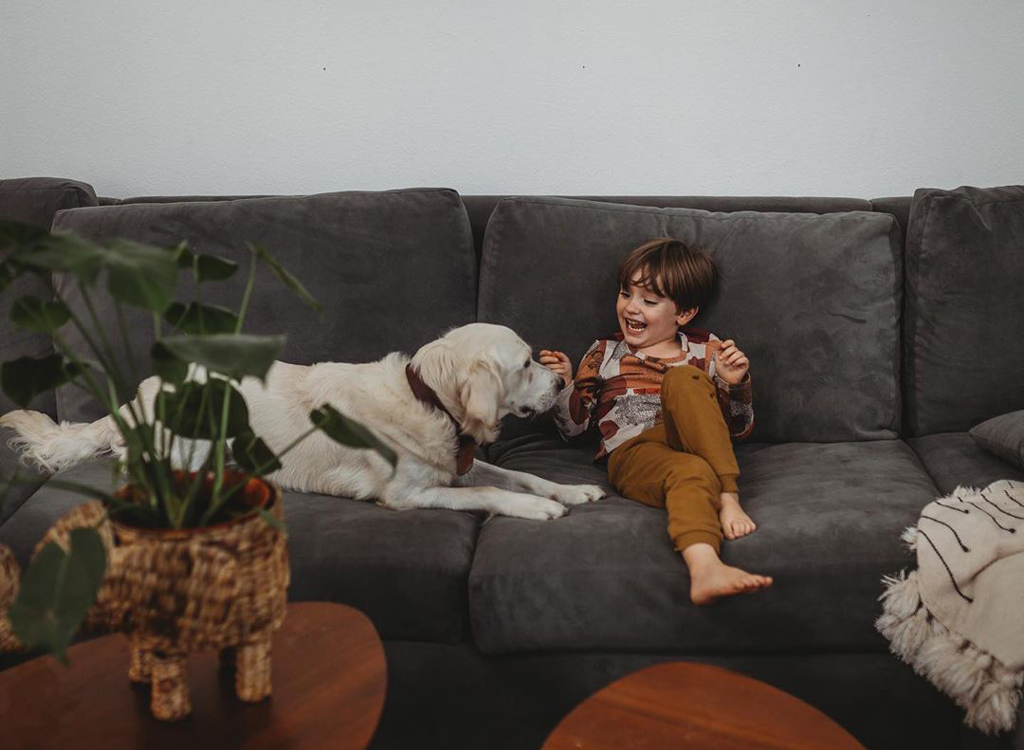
{"x": 958, "y": 619}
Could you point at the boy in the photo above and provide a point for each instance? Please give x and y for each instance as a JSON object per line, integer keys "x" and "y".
{"x": 659, "y": 396}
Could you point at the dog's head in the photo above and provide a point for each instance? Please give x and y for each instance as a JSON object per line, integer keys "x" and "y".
{"x": 488, "y": 372}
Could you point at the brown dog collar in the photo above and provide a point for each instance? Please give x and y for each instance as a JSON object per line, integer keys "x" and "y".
{"x": 426, "y": 394}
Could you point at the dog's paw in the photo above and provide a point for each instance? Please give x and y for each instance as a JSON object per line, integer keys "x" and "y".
{"x": 539, "y": 509}
{"x": 578, "y": 494}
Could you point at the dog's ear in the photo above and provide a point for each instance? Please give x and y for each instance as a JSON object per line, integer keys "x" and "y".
{"x": 482, "y": 393}
{"x": 437, "y": 363}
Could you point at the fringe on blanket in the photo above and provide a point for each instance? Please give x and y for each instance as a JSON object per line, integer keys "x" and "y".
{"x": 983, "y": 686}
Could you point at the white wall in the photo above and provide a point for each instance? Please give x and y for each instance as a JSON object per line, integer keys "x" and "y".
{"x": 808, "y": 97}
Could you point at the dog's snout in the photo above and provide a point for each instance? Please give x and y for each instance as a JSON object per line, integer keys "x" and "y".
{"x": 556, "y": 387}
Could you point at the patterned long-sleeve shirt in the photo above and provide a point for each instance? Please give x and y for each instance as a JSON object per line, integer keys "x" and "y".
{"x": 619, "y": 388}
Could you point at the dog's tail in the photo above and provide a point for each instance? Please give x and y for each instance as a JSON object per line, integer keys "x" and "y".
{"x": 52, "y": 446}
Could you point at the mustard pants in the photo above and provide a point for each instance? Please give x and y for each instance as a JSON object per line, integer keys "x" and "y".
{"x": 682, "y": 464}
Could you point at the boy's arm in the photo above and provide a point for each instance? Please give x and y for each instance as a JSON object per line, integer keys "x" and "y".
{"x": 736, "y": 403}
{"x": 735, "y": 400}
{"x": 575, "y": 403}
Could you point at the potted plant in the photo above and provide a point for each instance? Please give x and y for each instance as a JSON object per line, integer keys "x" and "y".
{"x": 180, "y": 560}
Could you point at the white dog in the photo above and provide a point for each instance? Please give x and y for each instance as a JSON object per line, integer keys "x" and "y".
{"x": 478, "y": 373}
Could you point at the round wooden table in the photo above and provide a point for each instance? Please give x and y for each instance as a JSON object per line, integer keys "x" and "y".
{"x": 682, "y": 706}
{"x": 329, "y": 679}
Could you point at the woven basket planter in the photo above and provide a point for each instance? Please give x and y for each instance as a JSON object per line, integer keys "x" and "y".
{"x": 177, "y": 591}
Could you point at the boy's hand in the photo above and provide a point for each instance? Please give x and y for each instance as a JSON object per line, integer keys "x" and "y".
{"x": 731, "y": 364}
{"x": 557, "y": 363}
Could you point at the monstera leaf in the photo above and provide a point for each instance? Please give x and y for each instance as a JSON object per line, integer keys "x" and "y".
{"x": 253, "y": 455}
{"x": 233, "y": 355}
{"x": 140, "y": 275}
{"x": 184, "y": 413}
{"x": 57, "y": 591}
{"x": 199, "y": 319}
{"x": 349, "y": 432}
{"x": 39, "y": 316}
{"x": 205, "y": 267}
{"x": 24, "y": 378}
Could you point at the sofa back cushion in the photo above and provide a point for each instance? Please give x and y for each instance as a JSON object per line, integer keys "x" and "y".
{"x": 393, "y": 270}
{"x": 34, "y": 201}
{"x": 812, "y": 299}
{"x": 964, "y": 316}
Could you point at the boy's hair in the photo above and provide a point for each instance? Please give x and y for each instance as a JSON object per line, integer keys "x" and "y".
{"x": 670, "y": 268}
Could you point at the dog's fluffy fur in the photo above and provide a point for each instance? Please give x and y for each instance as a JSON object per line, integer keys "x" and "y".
{"x": 480, "y": 372}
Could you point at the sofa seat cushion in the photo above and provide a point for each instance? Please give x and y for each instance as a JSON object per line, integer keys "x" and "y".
{"x": 406, "y": 570}
{"x": 605, "y": 576}
{"x": 393, "y": 270}
{"x": 954, "y": 460}
{"x": 799, "y": 292}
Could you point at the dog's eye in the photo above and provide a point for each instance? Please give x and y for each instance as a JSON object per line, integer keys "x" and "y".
{"x": 527, "y": 364}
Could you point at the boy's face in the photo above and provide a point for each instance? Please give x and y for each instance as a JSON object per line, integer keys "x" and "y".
{"x": 646, "y": 318}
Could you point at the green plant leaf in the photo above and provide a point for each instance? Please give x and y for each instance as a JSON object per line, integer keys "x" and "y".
{"x": 23, "y": 378}
{"x": 57, "y": 591}
{"x": 39, "y": 316}
{"x": 234, "y": 355}
{"x": 272, "y": 520}
{"x": 166, "y": 365}
{"x": 286, "y": 278}
{"x": 214, "y": 268}
{"x": 140, "y": 275}
{"x": 198, "y": 319}
{"x": 253, "y": 455}
{"x": 181, "y": 254}
{"x": 9, "y": 271}
{"x": 136, "y": 440}
{"x": 17, "y": 237}
{"x": 64, "y": 253}
{"x": 204, "y": 267}
{"x": 181, "y": 410}
{"x": 349, "y": 432}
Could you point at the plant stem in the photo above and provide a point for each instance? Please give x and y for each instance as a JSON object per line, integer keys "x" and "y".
{"x": 123, "y": 326}
{"x": 93, "y": 388}
{"x": 193, "y": 489}
{"x": 219, "y": 446}
{"x": 261, "y": 469}
{"x": 287, "y": 448}
{"x": 113, "y": 372}
{"x": 110, "y": 366}
{"x": 245, "y": 297}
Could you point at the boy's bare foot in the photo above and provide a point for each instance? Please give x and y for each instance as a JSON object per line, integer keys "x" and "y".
{"x": 711, "y": 579}
{"x": 735, "y": 522}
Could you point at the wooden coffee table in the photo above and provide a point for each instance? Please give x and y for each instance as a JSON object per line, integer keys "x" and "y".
{"x": 682, "y": 705}
{"x": 329, "y": 680}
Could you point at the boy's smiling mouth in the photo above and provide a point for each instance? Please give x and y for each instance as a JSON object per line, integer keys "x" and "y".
{"x": 635, "y": 326}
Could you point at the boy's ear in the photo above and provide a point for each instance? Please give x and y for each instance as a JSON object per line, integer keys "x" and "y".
{"x": 687, "y": 315}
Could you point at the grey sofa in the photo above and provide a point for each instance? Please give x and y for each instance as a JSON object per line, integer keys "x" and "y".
{"x": 868, "y": 323}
